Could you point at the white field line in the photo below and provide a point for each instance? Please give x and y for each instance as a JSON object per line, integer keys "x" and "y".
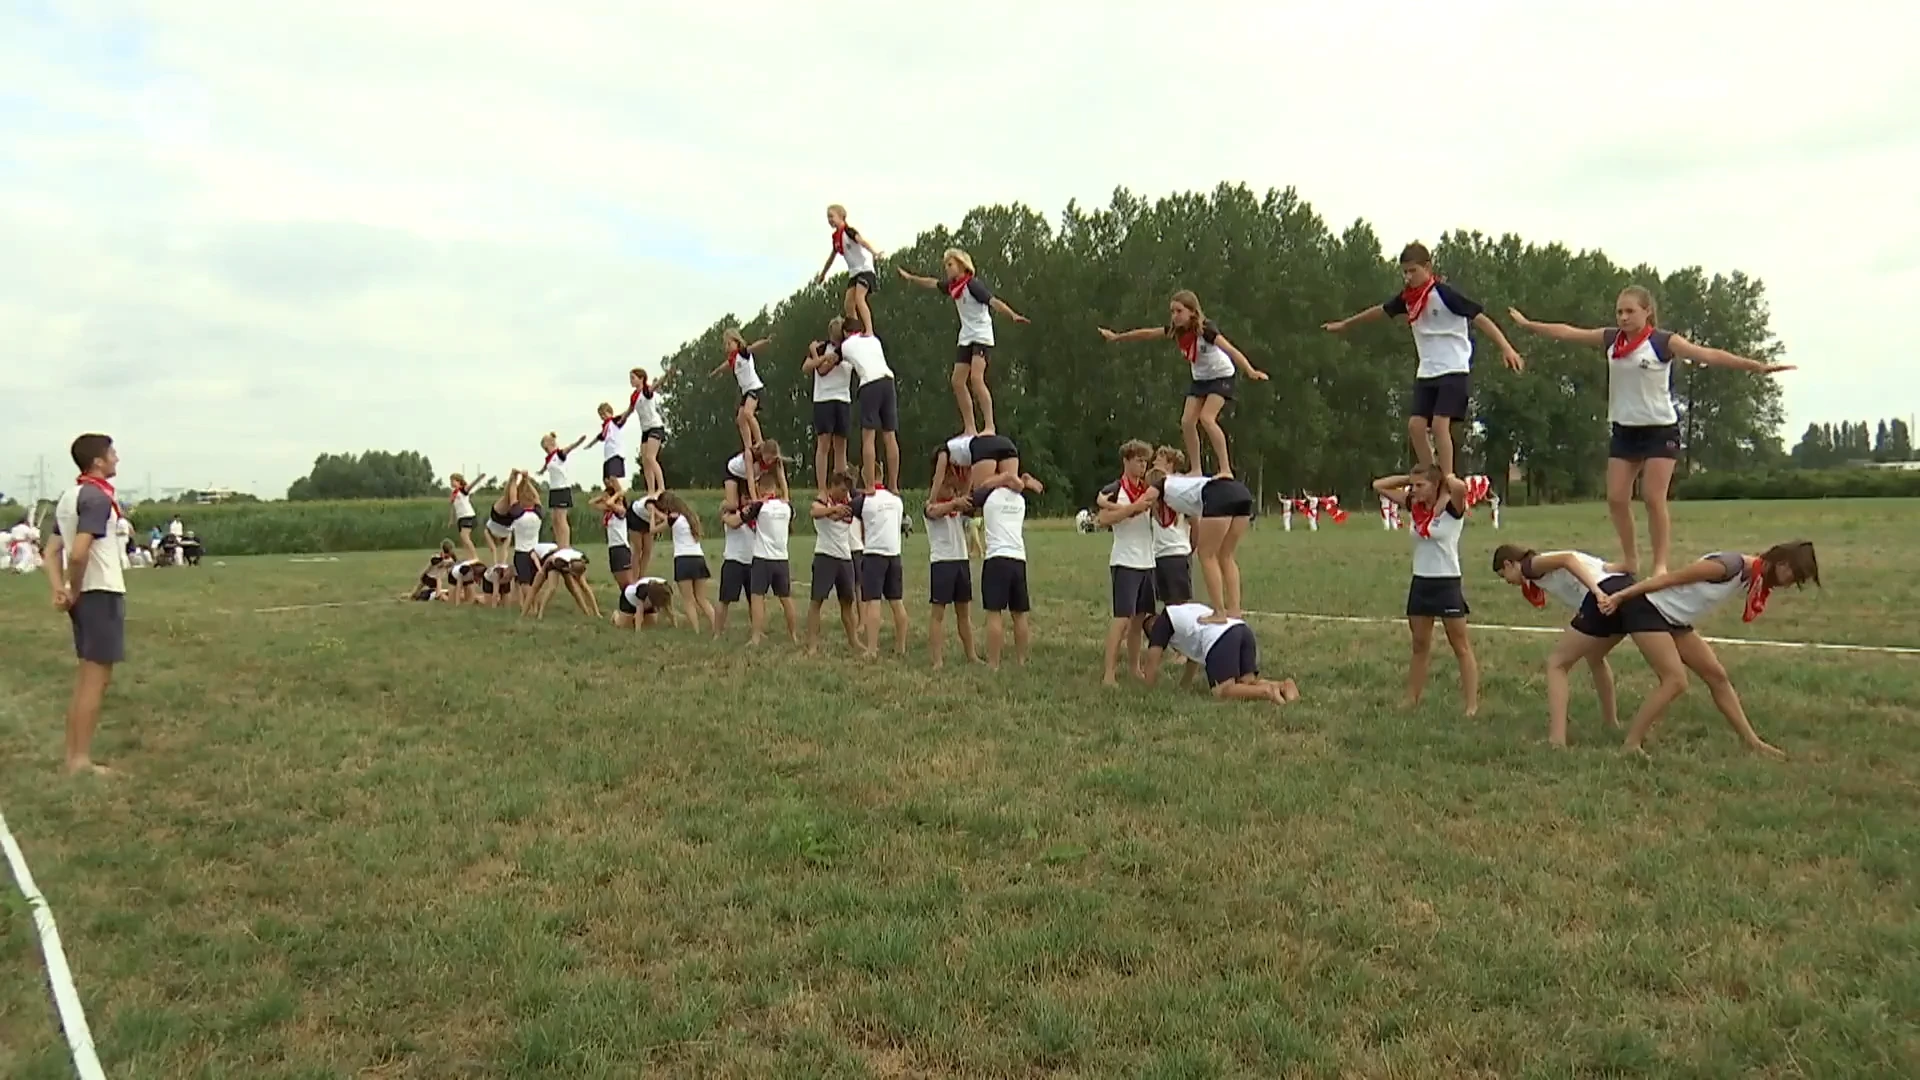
{"x": 74, "y": 1019}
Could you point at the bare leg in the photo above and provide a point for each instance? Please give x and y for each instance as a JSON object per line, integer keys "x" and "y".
{"x": 1422, "y": 445}
{"x": 1567, "y": 652}
{"x": 1421, "y": 627}
{"x": 861, "y": 309}
{"x": 656, "y": 477}
{"x": 1620, "y": 476}
{"x": 1663, "y": 656}
{"x": 1699, "y": 656}
{"x": 869, "y": 471}
{"x": 1443, "y": 443}
{"x": 701, "y": 604}
{"x": 562, "y": 528}
{"x": 1216, "y": 435}
{"x": 1190, "y": 430}
{"x": 963, "y": 623}
{"x": 850, "y": 624}
{"x": 1209, "y": 534}
{"x": 793, "y": 619}
{"x": 1021, "y": 638}
{"x": 1136, "y": 633}
{"x": 977, "y": 381}
{"x": 690, "y": 599}
{"x": 870, "y": 628}
{"x": 1230, "y": 565}
{"x": 757, "y": 618}
{"x": 83, "y": 715}
{"x": 963, "y": 399}
{"x": 996, "y": 634}
{"x": 813, "y": 627}
{"x": 466, "y": 544}
{"x": 1603, "y": 683}
{"x": 1469, "y": 667}
{"x": 1238, "y": 690}
{"x": 900, "y": 627}
{"x": 1655, "y": 478}
{"x": 893, "y": 461}
{"x": 1116, "y": 630}
{"x": 840, "y": 453}
{"x": 822, "y": 452}
{"x": 936, "y": 635}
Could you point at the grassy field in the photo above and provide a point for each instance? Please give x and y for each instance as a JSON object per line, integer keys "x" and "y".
{"x": 398, "y": 839}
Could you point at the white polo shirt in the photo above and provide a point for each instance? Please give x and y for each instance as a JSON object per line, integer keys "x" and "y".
{"x": 881, "y": 514}
{"x": 84, "y": 508}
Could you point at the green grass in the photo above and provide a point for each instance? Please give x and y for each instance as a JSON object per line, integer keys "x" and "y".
{"x": 406, "y": 840}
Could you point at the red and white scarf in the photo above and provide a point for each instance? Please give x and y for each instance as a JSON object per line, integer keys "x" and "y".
{"x": 1422, "y": 516}
{"x": 1759, "y": 587}
{"x": 1623, "y": 345}
{"x": 957, "y": 287}
{"x": 1416, "y": 298}
{"x": 1132, "y": 489}
{"x": 105, "y": 487}
{"x": 840, "y": 241}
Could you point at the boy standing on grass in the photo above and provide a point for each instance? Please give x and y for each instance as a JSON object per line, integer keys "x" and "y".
{"x": 88, "y": 585}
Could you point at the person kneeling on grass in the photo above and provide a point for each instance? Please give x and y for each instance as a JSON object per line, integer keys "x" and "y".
{"x": 1226, "y": 650}
{"x": 496, "y": 584}
{"x": 569, "y": 567}
{"x": 463, "y": 580}
{"x": 641, "y": 601}
{"x": 428, "y": 587}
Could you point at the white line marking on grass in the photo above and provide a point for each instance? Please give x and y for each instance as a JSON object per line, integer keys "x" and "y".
{"x": 1896, "y": 650}
{"x": 85, "y": 1061}
{"x": 316, "y": 607}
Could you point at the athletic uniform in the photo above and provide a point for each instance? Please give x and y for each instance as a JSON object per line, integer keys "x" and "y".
{"x": 1130, "y": 561}
{"x": 1566, "y": 588}
{"x": 879, "y": 402}
{"x": 972, "y": 299}
{"x": 633, "y": 598}
{"x": 559, "y": 487}
{"x": 770, "y": 519}
{"x": 833, "y": 557}
{"x": 526, "y": 537}
{"x": 746, "y": 372}
{"x": 498, "y": 578}
{"x": 99, "y": 614}
{"x": 882, "y": 577}
{"x": 950, "y": 573}
{"x": 736, "y": 562}
{"x": 833, "y": 398}
{"x": 846, "y": 244}
{"x": 463, "y": 515}
{"x": 647, "y": 412}
{"x": 1227, "y": 650}
{"x": 1003, "y": 571}
{"x": 963, "y": 451}
{"x": 464, "y": 573}
{"x": 619, "y": 549}
{"x": 1206, "y": 496}
{"x": 499, "y": 525}
{"x": 689, "y": 559}
{"x": 737, "y": 468}
{"x": 1640, "y": 396}
{"x": 1172, "y": 556}
{"x": 613, "y": 455}
{"x": 1435, "y": 589}
{"x": 1683, "y": 605}
{"x": 1441, "y": 319}
{"x": 1212, "y": 368}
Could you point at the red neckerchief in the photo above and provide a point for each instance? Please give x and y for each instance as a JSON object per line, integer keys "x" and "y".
{"x": 1423, "y": 516}
{"x": 1758, "y": 589}
{"x": 1416, "y": 298}
{"x": 840, "y": 241}
{"x": 551, "y": 454}
{"x": 458, "y": 491}
{"x": 606, "y": 422}
{"x": 1623, "y": 345}
{"x": 1535, "y": 595}
{"x": 105, "y": 488}
{"x": 733, "y": 356}
{"x": 607, "y": 516}
{"x": 1189, "y": 343}
{"x": 957, "y": 286}
{"x": 1132, "y": 488}
{"x": 1167, "y": 515}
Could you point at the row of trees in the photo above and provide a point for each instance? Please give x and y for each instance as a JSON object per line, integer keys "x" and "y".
{"x": 375, "y": 474}
{"x": 1269, "y": 271}
{"x": 1824, "y": 446}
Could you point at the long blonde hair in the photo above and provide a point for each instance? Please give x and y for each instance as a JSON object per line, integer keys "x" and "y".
{"x": 956, "y": 255}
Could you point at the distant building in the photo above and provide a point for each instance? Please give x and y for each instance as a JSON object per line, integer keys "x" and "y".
{"x": 213, "y": 495}
{"x": 1906, "y": 466}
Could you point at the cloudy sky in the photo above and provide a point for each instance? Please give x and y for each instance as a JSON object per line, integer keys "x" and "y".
{"x": 237, "y": 234}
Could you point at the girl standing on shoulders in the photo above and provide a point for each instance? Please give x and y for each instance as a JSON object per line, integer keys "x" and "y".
{"x": 612, "y": 504}
{"x": 690, "y": 572}
{"x": 653, "y": 433}
{"x": 1682, "y": 597}
{"x": 1442, "y": 321}
{"x": 976, "y": 305}
{"x": 832, "y": 409}
{"x": 461, "y": 512}
{"x": 1222, "y": 512}
{"x": 1579, "y": 581}
{"x": 740, "y": 360}
{"x": 1646, "y": 429}
{"x": 1437, "y": 505}
{"x": 1213, "y": 360}
{"x": 559, "y": 486}
{"x": 860, "y": 256}
{"x": 613, "y": 454}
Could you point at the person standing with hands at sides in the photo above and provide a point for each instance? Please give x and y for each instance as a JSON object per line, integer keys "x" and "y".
{"x": 736, "y": 564}
{"x": 559, "y": 485}
{"x": 612, "y": 504}
{"x": 833, "y": 560}
{"x": 653, "y": 434}
{"x": 1442, "y": 320}
{"x": 832, "y": 409}
{"x": 950, "y": 571}
{"x": 860, "y": 257}
{"x": 1172, "y": 538}
{"x": 1002, "y": 503}
{"x": 1226, "y": 650}
{"x": 613, "y": 451}
{"x": 879, "y": 402}
{"x": 1222, "y": 510}
{"x": 976, "y": 305}
{"x": 460, "y": 511}
{"x": 745, "y": 471}
{"x": 1125, "y": 506}
{"x": 882, "y": 573}
{"x": 770, "y": 518}
{"x": 746, "y": 371}
{"x": 1436, "y": 505}
{"x": 85, "y": 571}
{"x": 690, "y": 572}
{"x": 1646, "y": 429}
{"x": 1680, "y": 598}
{"x": 1213, "y": 360}
{"x": 1579, "y": 581}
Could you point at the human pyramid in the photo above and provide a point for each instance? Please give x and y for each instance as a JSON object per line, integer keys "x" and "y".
{"x": 1163, "y": 510}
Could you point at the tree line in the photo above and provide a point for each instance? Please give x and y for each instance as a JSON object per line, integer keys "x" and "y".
{"x": 1269, "y": 271}
{"x": 1824, "y": 446}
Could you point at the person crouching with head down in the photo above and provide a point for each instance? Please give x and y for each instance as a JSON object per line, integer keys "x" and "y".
{"x": 642, "y": 602}
{"x": 1226, "y": 650}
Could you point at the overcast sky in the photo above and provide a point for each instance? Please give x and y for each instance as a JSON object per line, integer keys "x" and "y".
{"x": 236, "y": 234}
